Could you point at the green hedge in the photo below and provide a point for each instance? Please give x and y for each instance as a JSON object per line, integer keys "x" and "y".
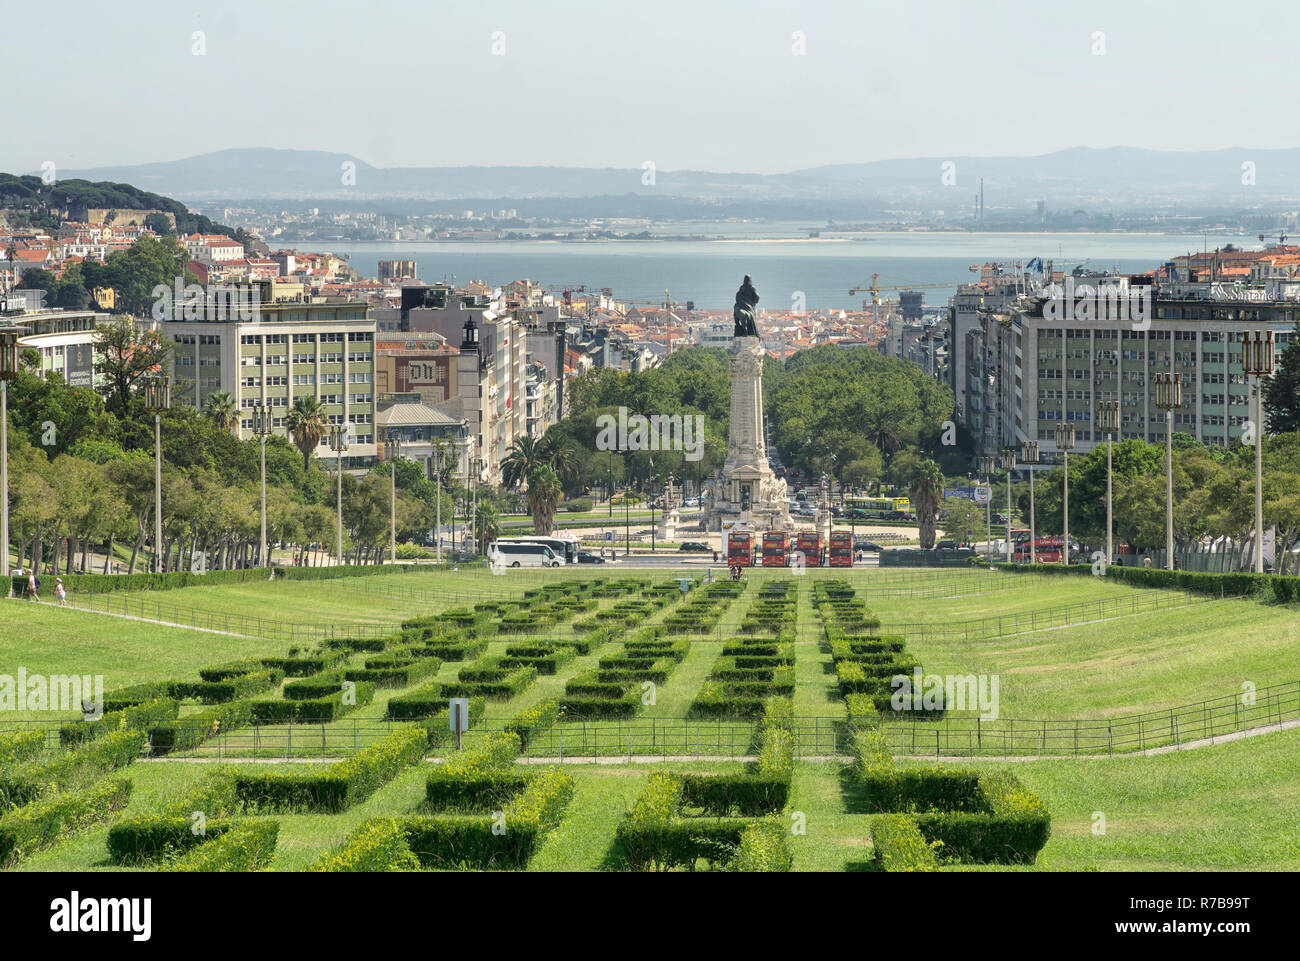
{"x": 141, "y": 840}
{"x": 247, "y": 846}
{"x": 484, "y": 777}
{"x": 376, "y": 845}
{"x": 190, "y": 731}
{"x": 898, "y": 844}
{"x": 438, "y": 726}
{"x": 495, "y": 684}
{"x": 231, "y": 688}
{"x": 313, "y": 710}
{"x": 763, "y": 847}
{"x": 20, "y": 745}
{"x": 105, "y": 583}
{"x": 29, "y": 780}
{"x": 533, "y": 720}
{"x": 338, "y": 787}
{"x": 449, "y": 841}
{"x": 654, "y": 835}
{"x": 304, "y": 665}
{"x": 1284, "y": 589}
{"x": 55, "y": 816}
{"x": 133, "y": 718}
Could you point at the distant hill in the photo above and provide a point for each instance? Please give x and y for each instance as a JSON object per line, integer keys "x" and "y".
{"x": 1077, "y": 174}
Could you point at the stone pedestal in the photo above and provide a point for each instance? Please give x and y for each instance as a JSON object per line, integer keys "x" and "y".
{"x": 667, "y": 526}
{"x": 746, "y": 489}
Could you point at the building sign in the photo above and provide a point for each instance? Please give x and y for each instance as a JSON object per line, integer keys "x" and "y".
{"x": 412, "y": 374}
{"x": 980, "y": 495}
{"x": 79, "y": 365}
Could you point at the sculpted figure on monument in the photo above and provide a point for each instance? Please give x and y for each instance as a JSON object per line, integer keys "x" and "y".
{"x": 746, "y": 310}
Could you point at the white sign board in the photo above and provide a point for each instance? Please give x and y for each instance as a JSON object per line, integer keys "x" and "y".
{"x": 458, "y": 714}
{"x": 983, "y": 495}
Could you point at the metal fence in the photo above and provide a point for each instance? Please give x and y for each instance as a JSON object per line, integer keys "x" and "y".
{"x": 1020, "y": 623}
{"x": 814, "y": 737}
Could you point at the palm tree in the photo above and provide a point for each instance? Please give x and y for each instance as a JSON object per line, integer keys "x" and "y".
{"x": 524, "y": 457}
{"x": 306, "y": 425}
{"x": 543, "y": 496}
{"x": 927, "y": 495}
{"x": 560, "y": 457}
{"x": 220, "y": 408}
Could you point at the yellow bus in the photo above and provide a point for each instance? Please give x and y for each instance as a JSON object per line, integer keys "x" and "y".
{"x": 878, "y": 507}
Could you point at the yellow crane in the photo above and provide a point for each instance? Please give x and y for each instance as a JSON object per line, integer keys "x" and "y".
{"x": 875, "y": 288}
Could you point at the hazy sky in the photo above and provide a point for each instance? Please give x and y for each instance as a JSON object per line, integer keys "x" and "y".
{"x": 694, "y": 84}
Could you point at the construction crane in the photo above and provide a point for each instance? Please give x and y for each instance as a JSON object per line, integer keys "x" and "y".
{"x": 875, "y": 288}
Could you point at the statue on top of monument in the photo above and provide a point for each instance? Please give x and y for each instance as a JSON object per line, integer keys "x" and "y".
{"x": 746, "y": 310}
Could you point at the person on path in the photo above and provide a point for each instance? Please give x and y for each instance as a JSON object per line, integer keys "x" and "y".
{"x": 32, "y": 586}
{"x": 61, "y": 592}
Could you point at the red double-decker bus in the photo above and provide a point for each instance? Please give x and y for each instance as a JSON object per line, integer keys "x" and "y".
{"x": 841, "y": 549}
{"x": 809, "y": 543}
{"x": 738, "y": 549}
{"x": 1047, "y": 550}
{"x": 775, "y": 547}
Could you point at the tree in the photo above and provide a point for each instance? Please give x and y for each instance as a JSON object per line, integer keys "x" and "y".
{"x": 306, "y": 425}
{"x": 220, "y": 408}
{"x": 124, "y": 354}
{"x": 927, "y": 495}
{"x": 1282, "y": 390}
{"x": 962, "y": 515}
{"x": 543, "y": 497}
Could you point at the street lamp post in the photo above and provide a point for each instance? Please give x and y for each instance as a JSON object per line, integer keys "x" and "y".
{"x": 1169, "y": 397}
{"x": 1065, "y": 444}
{"x": 1008, "y": 460}
{"x": 1029, "y": 458}
{"x": 392, "y": 451}
{"x": 339, "y": 444}
{"x": 1108, "y": 424}
{"x": 8, "y": 371}
{"x": 986, "y": 471}
{"x": 262, "y": 430}
{"x": 437, "y": 517}
{"x": 157, "y": 398}
{"x": 1257, "y": 362}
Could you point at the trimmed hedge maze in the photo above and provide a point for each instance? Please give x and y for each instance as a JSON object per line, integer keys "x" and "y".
{"x": 623, "y": 681}
{"x": 865, "y": 660}
{"x": 759, "y": 662}
{"x": 729, "y": 821}
{"x": 932, "y": 815}
{"x": 481, "y": 811}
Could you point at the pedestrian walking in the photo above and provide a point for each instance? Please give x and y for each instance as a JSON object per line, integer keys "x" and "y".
{"x": 61, "y": 592}
{"x": 33, "y": 585}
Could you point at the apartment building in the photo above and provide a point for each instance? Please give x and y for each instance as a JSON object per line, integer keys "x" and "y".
{"x": 65, "y": 340}
{"x": 287, "y": 350}
{"x": 1064, "y": 370}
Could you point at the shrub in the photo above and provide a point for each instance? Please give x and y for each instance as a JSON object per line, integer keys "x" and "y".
{"x": 655, "y": 835}
{"x": 20, "y": 745}
{"x": 898, "y": 844}
{"x": 247, "y": 846}
{"x": 229, "y": 689}
{"x": 438, "y": 726}
{"x": 533, "y": 720}
{"x": 70, "y": 770}
{"x": 338, "y": 787}
{"x": 136, "y": 717}
{"x": 42, "y": 823}
{"x": 315, "y": 709}
{"x": 377, "y": 845}
{"x": 762, "y": 848}
{"x": 140, "y": 840}
{"x": 484, "y": 777}
{"x": 192, "y": 730}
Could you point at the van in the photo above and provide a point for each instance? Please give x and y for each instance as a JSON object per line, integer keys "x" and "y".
{"x": 524, "y": 555}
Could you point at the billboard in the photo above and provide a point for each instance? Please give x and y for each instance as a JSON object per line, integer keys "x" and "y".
{"x": 980, "y": 495}
{"x": 422, "y": 374}
{"x": 79, "y": 365}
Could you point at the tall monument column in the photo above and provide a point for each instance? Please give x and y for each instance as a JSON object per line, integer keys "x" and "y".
{"x": 746, "y": 492}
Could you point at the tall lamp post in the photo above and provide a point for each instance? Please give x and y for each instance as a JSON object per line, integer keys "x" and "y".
{"x": 8, "y": 371}
{"x": 1169, "y": 397}
{"x": 1029, "y": 458}
{"x": 437, "y": 517}
{"x": 1008, "y": 461}
{"x": 157, "y": 398}
{"x": 1257, "y": 362}
{"x": 1108, "y": 424}
{"x": 339, "y": 445}
{"x": 986, "y": 471}
{"x": 262, "y": 430}
{"x": 1065, "y": 444}
{"x": 392, "y": 451}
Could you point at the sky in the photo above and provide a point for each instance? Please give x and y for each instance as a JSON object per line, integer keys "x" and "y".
{"x": 727, "y": 85}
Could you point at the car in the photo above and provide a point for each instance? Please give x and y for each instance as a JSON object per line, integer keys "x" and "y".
{"x": 695, "y": 547}
{"x": 862, "y": 544}
{"x": 587, "y": 557}
{"x": 946, "y": 545}
{"x": 900, "y": 516}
